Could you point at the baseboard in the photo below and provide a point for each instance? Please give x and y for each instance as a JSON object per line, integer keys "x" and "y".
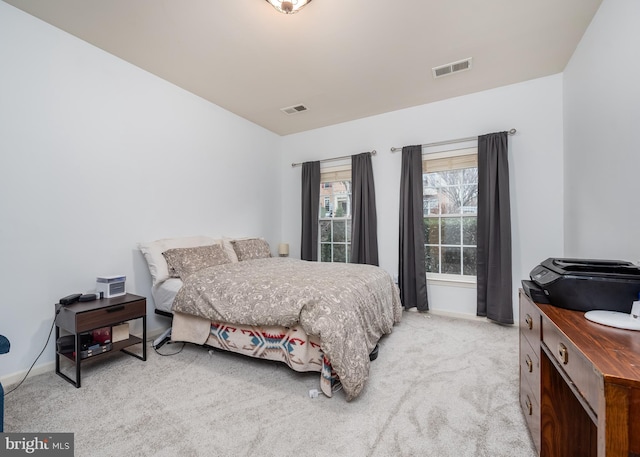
{"x": 472, "y": 317}
{"x": 9, "y": 380}
{"x": 152, "y": 334}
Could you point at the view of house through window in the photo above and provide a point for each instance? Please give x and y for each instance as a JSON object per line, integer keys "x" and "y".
{"x": 334, "y": 232}
{"x": 450, "y": 197}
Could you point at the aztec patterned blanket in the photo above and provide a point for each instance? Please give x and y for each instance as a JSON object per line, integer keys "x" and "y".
{"x": 348, "y": 306}
{"x": 289, "y": 345}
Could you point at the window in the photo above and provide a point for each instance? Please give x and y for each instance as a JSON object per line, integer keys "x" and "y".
{"x": 450, "y": 204}
{"x": 335, "y": 214}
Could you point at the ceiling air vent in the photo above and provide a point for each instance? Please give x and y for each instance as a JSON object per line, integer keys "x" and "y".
{"x": 294, "y": 109}
{"x": 452, "y": 67}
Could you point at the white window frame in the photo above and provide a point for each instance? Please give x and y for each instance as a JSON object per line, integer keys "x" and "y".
{"x": 445, "y": 278}
{"x": 338, "y": 170}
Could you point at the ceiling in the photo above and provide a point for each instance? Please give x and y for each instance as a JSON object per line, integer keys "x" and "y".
{"x": 343, "y": 60}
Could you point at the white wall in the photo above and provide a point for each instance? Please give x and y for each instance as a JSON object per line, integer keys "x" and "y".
{"x": 601, "y": 120}
{"x": 534, "y": 108}
{"x": 97, "y": 155}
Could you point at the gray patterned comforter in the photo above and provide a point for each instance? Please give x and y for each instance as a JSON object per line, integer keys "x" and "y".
{"x": 348, "y": 306}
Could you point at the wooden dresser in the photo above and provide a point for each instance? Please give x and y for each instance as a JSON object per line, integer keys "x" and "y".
{"x": 579, "y": 383}
{"x": 530, "y": 337}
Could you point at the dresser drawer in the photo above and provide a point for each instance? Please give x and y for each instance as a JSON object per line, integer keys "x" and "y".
{"x": 110, "y": 315}
{"x": 530, "y": 322}
{"x": 581, "y": 372}
{"x": 531, "y": 411}
{"x": 530, "y": 366}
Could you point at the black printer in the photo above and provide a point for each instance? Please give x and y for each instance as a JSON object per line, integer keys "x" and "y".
{"x": 587, "y": 284}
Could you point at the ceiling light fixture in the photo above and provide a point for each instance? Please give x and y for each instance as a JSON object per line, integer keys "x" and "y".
{"x": 289, "y": 6}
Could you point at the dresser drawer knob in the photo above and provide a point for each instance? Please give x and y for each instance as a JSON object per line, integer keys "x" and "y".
{"x": 529, "y": 320}
{"x": 563, "y": 353}
{"x": 529, "y": 363}
{"x": 529, "y": 406}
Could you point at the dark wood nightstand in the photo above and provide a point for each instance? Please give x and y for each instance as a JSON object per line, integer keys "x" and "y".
{"x": 81, "y": 318}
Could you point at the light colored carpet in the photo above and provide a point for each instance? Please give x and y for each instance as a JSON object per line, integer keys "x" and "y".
{"x": 440, "y": 387}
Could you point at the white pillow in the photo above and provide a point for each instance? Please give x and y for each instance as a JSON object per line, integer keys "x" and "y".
{"x": 228, "y": 248}
{"x": 153, "y": 250}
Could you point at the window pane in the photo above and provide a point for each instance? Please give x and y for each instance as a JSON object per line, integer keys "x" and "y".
{"x": 451, "y": 178}
{"x": 470, "y": 176}
{"x": 451, "y": 260}
{"x": 450, "y": 202}
{"x": 431, "y": 230}
{"x": 349, "y": 230}
{"x": 470, "y": 199}
{"x": 325, "y": 205}
{"x": 335, "y": 199}
{"x": 432, "y": 259}
{"x": 430, "y": 179}
{"x": 450, "y": 230}
{"x": 339, "y": 233}
{"x": 470, "y": 230}
{"x": 342, "y": 209}
{"x": 325, "y": 231}
{"x": 430, "y": 202}
{"x": 469, "y": 261}
{"x": 339, "y": 253}
{"x": 325, "y": 252}
{"x": 342, "y": 192}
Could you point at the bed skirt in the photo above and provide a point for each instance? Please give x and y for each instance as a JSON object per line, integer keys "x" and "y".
{"x": 290, "y": 345}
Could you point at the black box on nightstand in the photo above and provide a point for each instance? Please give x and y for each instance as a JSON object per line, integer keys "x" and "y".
{"x": 67, "y": 344}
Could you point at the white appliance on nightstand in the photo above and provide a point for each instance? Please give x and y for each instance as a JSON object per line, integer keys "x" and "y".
{"x": 111, "y": 286}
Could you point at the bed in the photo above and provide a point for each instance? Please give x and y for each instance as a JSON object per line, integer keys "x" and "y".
{"x": 231, "y": 294}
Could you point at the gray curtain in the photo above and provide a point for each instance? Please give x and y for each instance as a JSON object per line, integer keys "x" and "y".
{"x": 412, "y": 279}
{"x": 364, "y": 225}
{"x": 310, "y": 208}
{"x": 494, "y": 229}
